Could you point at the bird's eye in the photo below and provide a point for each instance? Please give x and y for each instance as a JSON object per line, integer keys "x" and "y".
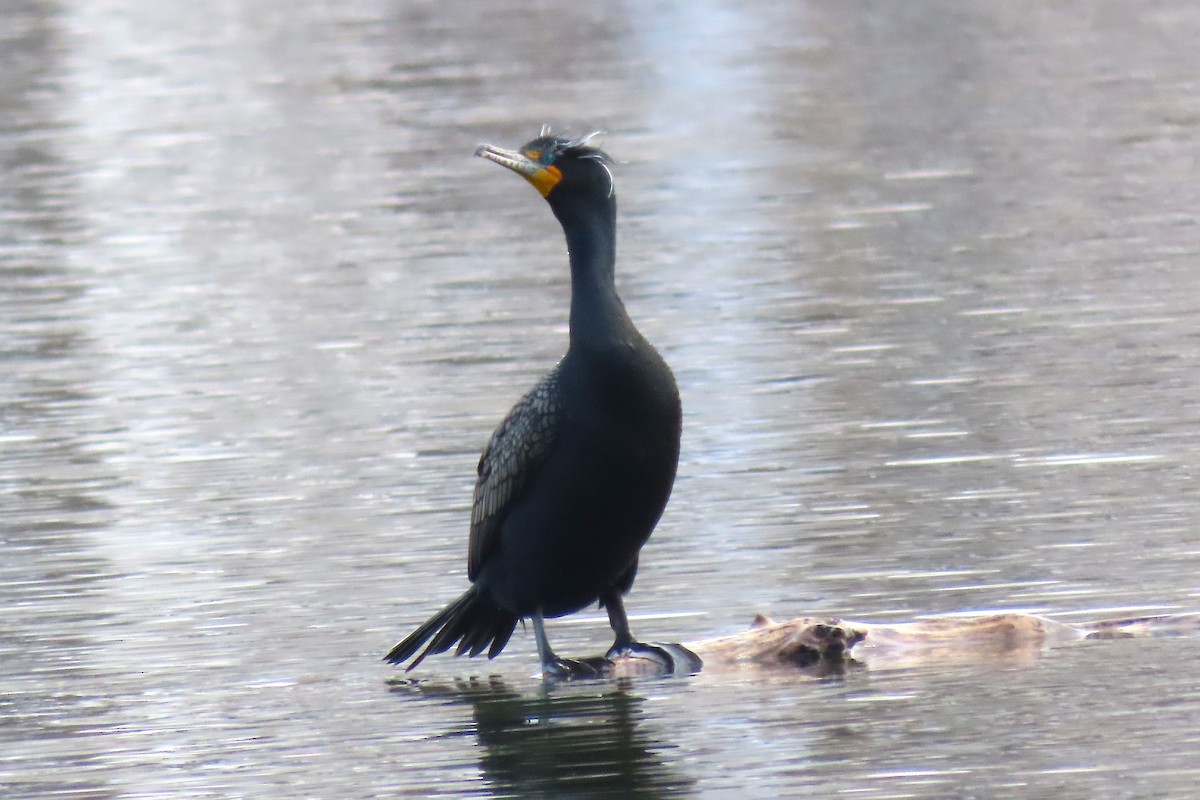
{"x": 547, "y": 158}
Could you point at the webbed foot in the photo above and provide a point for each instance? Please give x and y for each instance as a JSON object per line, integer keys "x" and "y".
{"x": 571, "y": 669}
{"x": 670, "y": 658}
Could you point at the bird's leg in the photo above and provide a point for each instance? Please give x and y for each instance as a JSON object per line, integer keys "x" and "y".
{"x": 673, "y": 658}
{"x": 619, "y": 621}
{"x": 543, "y": 644}
{"x": 564, "y": 668}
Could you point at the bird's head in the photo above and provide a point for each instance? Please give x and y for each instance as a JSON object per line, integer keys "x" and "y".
{"x": 558, "y": 167}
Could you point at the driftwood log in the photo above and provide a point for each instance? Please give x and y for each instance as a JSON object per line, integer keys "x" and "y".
{"x": 822, "y": 647}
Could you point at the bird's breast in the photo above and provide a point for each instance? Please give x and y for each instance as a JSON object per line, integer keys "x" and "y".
{"x": 628, "y": 410}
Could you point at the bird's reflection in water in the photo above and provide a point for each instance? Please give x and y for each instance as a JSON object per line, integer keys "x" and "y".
{"x": 563, "y": 740}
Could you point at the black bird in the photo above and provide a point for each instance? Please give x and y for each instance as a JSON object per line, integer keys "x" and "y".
{"x": 579, "y": 472}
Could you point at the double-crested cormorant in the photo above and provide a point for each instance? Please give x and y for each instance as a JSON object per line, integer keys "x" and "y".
{"x": 576, "y": 476}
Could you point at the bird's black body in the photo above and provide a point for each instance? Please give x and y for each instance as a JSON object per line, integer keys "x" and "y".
{"x": 577, "y": 475}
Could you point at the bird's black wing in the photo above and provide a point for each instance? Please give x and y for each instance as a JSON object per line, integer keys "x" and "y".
{"x": 517, "y": 448}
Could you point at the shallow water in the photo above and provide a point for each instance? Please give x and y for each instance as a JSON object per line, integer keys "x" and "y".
{"x": 926, "y": 275}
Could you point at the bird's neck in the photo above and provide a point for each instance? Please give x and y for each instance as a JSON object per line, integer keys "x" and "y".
{"x": 598, "y": 318}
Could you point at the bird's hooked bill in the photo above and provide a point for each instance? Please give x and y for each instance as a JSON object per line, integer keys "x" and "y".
{"x": 543, "y": 177}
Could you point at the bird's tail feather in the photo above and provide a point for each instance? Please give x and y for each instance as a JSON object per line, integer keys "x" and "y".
{"x": 473, "y": 620}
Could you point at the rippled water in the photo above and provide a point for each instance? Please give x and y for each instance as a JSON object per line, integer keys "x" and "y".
{"x": 926, "y": 273}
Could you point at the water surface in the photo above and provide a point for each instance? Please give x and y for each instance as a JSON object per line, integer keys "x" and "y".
{"x": 925, "y": 273}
